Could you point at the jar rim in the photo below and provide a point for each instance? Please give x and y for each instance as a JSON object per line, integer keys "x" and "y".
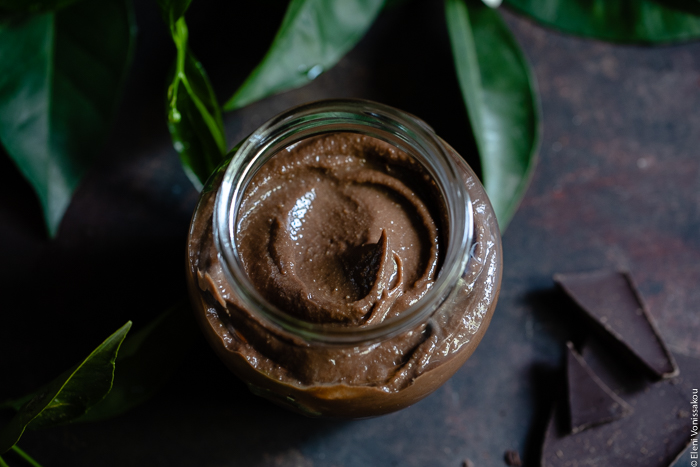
{"x": 399, "y": 128}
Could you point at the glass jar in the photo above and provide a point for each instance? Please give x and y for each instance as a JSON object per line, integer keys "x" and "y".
{"x": 336, "y": 369}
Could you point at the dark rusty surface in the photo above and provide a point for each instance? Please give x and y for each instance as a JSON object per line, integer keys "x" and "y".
{"x": 618, "y": 185}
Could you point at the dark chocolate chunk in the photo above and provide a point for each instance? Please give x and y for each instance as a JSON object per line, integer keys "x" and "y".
{"x": 622, "y": 379}
{"x": 653, "y": 436}
{"x": 591, "y": 402}
{"x": 611, "y": 300}
{"x": 512, "y": 458}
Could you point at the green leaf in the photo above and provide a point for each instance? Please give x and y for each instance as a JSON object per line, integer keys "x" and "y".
{"x": 194, "y": 116}
{"x": 60, "y": 76}
{"x": 70, "y": 395}
{"x": 642, "y": 21}
{"x": 146, "y": 361}
{"x": 501, "y": 100}
{"x": 314, "y": 36}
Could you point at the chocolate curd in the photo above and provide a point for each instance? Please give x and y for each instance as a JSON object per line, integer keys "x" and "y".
{"x": 344, "y": 233}
{"x": 331, "y": 232}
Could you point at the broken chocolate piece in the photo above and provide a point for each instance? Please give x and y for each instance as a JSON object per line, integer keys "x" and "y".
{"x": 612, "y": 301}
{"x": 591, "y": 402}
{"x": 611, "y": 370}
{"x": 512, "y": 458}
{"x": 652, "y": 436}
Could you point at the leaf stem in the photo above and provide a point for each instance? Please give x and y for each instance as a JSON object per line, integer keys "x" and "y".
{"x": 3, "y": 463}
{"x": 180, "y": 36}
{"x": 208, "y": 118}
{"x": 24, "y": 456}
{"x": 179, "y": 33}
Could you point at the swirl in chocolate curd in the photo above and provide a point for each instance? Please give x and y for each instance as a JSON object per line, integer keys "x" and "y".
{"x": 331, "y": 232}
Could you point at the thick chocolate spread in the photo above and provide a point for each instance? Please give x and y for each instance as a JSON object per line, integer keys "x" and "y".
{"x": 348, "y": 230}
{"x": 331, "y": 231}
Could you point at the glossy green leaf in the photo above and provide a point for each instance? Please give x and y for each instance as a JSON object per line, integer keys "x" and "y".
{"x": 194, "y": 116}
{"x": 60, "y": 77}
{"x": 147, "y": 359}
{"x": 70, "y": 395}
{"x": 501, "y": 100}
{"x": 314, "y": 36}
{"x": 642, "y": 21}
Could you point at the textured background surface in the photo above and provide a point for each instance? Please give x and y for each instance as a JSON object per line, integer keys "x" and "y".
{"x": 617, "y": 185}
